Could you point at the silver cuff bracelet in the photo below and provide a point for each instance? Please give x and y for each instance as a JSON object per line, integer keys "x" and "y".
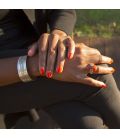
{"x": 22, "y": 69}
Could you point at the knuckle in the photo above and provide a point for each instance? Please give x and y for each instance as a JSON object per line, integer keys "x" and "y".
{"x": 42, "y": 50}
{"x": 81, "y": 51}
{"x": 54, "y": 36}
{"x": 80, "y": 60}
{"x": 97, "y": 51}
{"x": 52, "y": 52}
{"x": 44, "y": 35}
{"x": 69, "y": 38}
{"x": 90, "y": 81}
{"x": 82, "y": 44}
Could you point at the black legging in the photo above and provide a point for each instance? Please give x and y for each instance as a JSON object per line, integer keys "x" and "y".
{"x": 98, "y": 108}
{"x": 68, "y": 103}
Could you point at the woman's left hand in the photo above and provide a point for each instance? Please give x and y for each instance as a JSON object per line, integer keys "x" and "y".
{"x": 86, "y": 61}
{"x": 51, "y": 49}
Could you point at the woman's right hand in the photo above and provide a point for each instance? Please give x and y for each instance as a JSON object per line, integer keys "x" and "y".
{"x": 50, "y": 49}
{"x": 77, "y": 69}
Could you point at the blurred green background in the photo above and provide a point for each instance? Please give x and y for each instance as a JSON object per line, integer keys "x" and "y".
{"x": 98, "y": 22}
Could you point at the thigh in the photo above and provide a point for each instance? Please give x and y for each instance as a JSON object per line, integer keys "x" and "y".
{"x": 39, "y": 94}
{"x": 107, "y": 102}
{"x": 75, "y": 115}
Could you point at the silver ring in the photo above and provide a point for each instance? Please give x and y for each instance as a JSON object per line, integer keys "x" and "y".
{"x": 90, "y": 68}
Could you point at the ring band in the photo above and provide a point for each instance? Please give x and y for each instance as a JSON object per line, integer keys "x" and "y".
{"x": 91, "y": 68}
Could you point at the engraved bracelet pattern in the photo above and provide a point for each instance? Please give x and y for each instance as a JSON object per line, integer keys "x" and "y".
{"x": 22, "y": 69}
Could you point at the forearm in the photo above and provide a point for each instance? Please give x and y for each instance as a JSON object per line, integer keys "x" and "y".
{"x": 9, "y": 73}
{"x": 63, "y": 20}
{"x": 59, "y": 32}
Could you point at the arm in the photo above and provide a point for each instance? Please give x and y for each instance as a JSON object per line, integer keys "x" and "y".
{"x": 63, "y": 20}
{"x": 8, "y": 70}
{"x": 72, "y": 70}
{"x": 10, "y": 76}
{"x": 61, "y": 23}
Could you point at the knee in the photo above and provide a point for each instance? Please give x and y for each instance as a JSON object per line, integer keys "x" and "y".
{"x": 92, "y": 122}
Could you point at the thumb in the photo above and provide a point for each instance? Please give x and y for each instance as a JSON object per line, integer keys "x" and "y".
{"x": 32, "y": 50}
{"x": 95, "y": 83}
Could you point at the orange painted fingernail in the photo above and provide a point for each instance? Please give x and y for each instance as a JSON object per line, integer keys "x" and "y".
{"x": 70, "y": 55}
{"x": 42, "y": 71}
{"x": 113, "y": 70}
{"x": 49, "y": 74}
{"x": 104, "y": 86}
{"x": 59, "y": 69}
{"x": 94, "y": 68}
{"x": 111, "y": 61}
{"x": 30, "y": 52}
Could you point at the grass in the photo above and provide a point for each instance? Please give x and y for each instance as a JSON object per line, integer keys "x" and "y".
{"x": 96, "y": 22}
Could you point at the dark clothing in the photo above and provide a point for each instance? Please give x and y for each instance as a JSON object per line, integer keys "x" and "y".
{"x": 56, "y": 19}
{"x": 16, "y": 31}
{"x": 63, "y": 20}
{"x": 72, "y": 105}
{"x": 57, "y": 99}
{"x": 23, "y": 33}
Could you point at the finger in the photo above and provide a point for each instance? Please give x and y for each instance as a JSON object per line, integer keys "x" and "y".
{"x": 32, "y": 50}
{"x": 103, "y": 70}
{"x": 105, "y": 59}
{"x": 53, "y": 40}
{"x": 93, "y": 82}
{"x": 91, "y": 68}
{"x": 71, "y": 47}
{"x": 43, "y": 46}
{"x": 60, "y": 58}
{"x": 94, "y": 69}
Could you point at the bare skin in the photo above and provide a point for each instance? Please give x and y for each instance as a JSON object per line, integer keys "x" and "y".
{"x": 75, "y": 68}
{"x": 72, "y": 69}
{"x": 47, "y": 48}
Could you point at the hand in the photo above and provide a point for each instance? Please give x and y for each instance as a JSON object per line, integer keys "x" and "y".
{"x": 76, "y": 69}
{"x": 48, "y": 45}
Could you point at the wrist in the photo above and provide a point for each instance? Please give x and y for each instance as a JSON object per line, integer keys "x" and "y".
{"x": 59, "y": 32}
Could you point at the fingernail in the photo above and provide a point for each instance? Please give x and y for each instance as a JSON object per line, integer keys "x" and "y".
{"x": 29, "y": 52}
{"x": 49, "y": 74}
{"x": 59, "y": 69}
{"x": 111, "y": 61}
{"x": 113, "y": 70}
{"x": 42, "y": 71}
{"x": 94, "y": 68}
{"x": 104, "y": 86}
{"x": 70, "y": 55}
